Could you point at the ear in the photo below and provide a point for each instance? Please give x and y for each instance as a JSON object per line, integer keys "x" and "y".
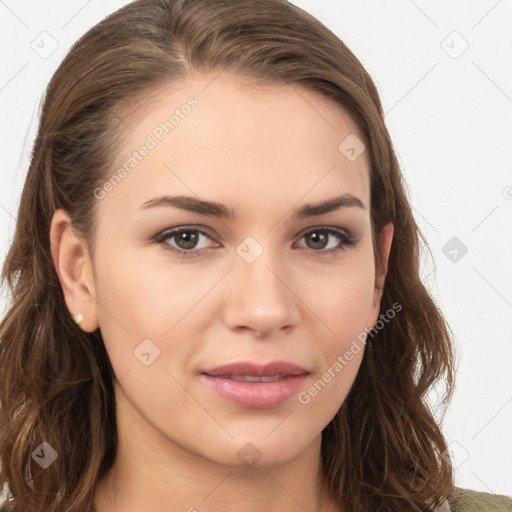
{"x": 385, "y": 240}
{"x": 74, "y": 269}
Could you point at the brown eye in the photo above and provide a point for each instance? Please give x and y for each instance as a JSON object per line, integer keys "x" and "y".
{"x": 183, "y": 240}
{"x": 318, "y": 240}
{"x": 186, "y": 239}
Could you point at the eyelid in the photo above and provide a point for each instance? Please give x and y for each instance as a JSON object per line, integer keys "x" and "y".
{"x": 187, "y": 227}
{"x": 319, "y": 227}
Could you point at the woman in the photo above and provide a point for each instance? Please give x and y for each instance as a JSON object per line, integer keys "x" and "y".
{"x": 215, "y": 277}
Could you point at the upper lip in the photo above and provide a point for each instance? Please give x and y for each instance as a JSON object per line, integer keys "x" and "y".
{"x": 258, "y": 370}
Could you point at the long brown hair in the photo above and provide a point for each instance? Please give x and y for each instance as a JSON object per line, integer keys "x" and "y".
{"x": 384, "y": 449}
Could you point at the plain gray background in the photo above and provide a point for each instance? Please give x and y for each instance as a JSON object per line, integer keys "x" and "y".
{"x": 444, "y": 72}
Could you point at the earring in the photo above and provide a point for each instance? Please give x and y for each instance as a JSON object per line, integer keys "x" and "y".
{"x": 369, "y": 340}
{"x": 78, "y": 318}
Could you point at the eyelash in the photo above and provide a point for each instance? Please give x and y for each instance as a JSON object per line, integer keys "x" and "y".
{"x": 346, "y": 239}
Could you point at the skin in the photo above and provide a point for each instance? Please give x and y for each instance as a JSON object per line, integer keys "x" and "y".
{"x": 262, "y": 152}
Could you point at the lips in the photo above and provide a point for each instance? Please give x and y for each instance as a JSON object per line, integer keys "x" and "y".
{"x": 250, "y": 369}
{"x": 251, "y": 385}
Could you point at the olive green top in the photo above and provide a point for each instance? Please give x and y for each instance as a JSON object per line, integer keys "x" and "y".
{"x": 467, "y": 500}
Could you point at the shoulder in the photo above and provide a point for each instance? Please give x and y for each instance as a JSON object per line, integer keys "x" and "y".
{"x": 468, "y": 500}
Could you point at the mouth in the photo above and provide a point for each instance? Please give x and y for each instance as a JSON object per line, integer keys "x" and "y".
{"x": 248, "y": 384}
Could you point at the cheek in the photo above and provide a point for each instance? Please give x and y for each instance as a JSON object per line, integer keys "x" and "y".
{"x": 344, "y": 297}
{"x": 139, "y": 291}
{"x": 126, "y": 312}
{"x": 344, "y": 302}
{"x": 346, "y": 311}
{"x": 144, "y": 298}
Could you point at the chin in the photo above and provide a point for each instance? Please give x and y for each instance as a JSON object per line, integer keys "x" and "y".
{"x": 258, "y": 452}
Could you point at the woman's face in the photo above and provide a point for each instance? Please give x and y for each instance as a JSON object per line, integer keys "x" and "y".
{"x": 250, "y": 288}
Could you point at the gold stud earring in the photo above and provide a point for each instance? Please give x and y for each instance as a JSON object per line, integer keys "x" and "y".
{"x": 78, "y": 318}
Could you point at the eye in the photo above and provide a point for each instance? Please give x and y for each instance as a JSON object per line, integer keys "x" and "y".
{"x": 186, "y": 240}
{"x": 319, "y": 237}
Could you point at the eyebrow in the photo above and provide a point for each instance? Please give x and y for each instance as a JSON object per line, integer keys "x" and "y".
{"x": 219, "y": 210}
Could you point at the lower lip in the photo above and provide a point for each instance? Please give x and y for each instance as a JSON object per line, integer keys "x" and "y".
{"x": 259, "y": 395}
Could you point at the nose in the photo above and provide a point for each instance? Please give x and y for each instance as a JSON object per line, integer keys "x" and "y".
{"x": 260, "y": 297}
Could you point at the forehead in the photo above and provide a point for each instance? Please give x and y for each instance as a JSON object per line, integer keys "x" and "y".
{"x": 221, "y": 136}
